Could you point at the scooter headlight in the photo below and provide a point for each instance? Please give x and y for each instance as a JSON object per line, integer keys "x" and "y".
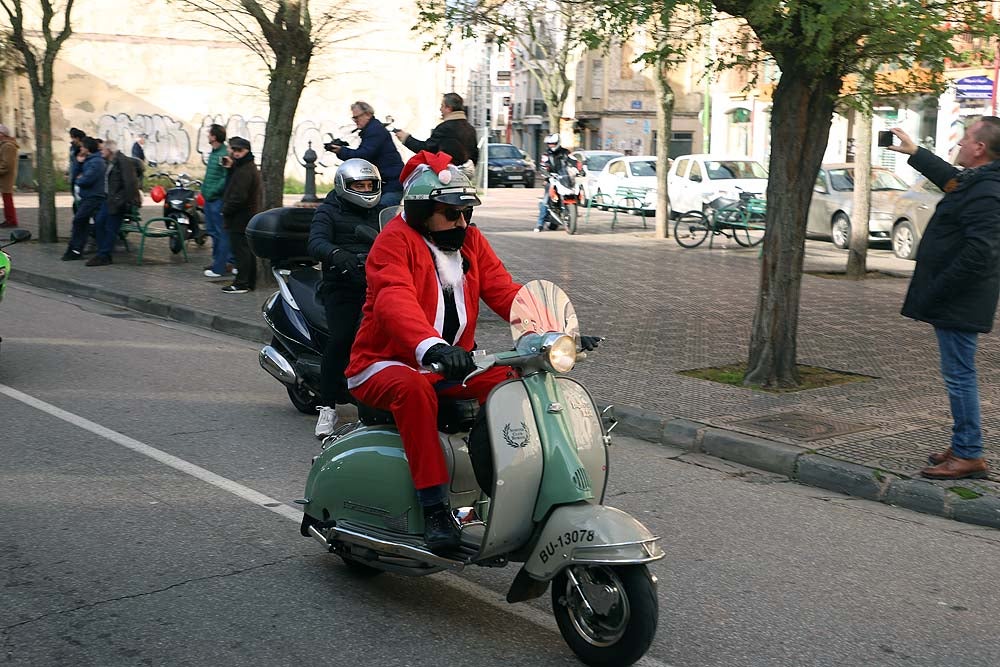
{"x": 559, "y": 351}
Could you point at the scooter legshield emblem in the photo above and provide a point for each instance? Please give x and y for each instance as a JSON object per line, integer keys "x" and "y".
{"x": 517, "y": 436}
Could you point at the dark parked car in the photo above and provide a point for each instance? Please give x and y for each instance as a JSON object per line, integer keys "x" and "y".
{"x": 507, "y": 165}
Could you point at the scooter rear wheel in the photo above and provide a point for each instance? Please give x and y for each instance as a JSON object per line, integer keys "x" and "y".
{"x": 617, "y": 624}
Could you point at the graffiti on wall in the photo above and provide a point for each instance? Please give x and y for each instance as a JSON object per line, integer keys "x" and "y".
{"x": 167, "y": 142}
{"x": 251, "y": 129}
{"x": 316, "y": 133}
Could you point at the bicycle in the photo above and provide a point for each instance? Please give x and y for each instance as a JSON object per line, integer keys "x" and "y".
{"x": 742, "y": 220}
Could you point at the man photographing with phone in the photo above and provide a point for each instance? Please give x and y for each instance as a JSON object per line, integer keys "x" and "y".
{"x": 956, "y": 281}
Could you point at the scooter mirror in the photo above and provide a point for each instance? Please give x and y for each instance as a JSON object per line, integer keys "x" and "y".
{"x": 541, "y": 306}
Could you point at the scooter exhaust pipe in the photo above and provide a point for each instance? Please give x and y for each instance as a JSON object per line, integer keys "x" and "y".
{"x": 274, "y": 363}
{"x": 386, "y": 547}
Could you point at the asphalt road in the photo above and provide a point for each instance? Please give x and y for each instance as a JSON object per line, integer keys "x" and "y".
{"x": 110, "y": 556}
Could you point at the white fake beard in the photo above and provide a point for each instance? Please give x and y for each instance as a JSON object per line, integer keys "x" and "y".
{"x": 449, "y": 267}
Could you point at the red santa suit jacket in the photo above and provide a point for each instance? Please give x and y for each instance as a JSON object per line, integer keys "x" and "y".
{"x": 403, "y": 315}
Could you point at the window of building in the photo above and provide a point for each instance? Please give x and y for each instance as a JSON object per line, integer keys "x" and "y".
{"x": 597, "y": 79}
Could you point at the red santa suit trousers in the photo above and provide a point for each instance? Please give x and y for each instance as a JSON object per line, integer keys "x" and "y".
{"x": 412, "y": 397}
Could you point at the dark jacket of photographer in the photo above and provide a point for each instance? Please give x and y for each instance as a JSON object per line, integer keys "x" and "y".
{"x": 378, "y": 148}
{"x": 454, "y": 136}
{"x": 956, "y": 280}
{"x": 348, "y": 230}
{"x": 123, "y": 185}
{"x": 241, "y": 199}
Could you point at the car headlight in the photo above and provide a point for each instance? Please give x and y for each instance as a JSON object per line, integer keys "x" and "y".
{"x": 559, "y": 351}
{"x": 493, "y": 167}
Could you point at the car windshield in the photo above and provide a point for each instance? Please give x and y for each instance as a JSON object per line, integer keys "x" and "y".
{"x": 842, "y": 180}
{"x": 643, "y": 168}
{"x": 597, "y": 162}
{"x": 722, "y": 170}
{"x": 504, "y": 151}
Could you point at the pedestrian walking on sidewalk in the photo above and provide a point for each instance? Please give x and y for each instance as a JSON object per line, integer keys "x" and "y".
{"x": 212, "y": 188}
{"x": 8, "y": 176}
{"x": 90, "y": 184}
{"x": 240, "y": 201}
{"x": 956, "y": 280}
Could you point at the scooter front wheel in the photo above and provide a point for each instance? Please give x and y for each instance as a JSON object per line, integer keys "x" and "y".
{"x": 303, "y": 399}
{"x": 607, "y": 614}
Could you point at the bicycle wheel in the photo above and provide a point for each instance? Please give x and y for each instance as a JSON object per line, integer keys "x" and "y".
{"x": 750, "y": 234}
{"x": 691, "y": 229}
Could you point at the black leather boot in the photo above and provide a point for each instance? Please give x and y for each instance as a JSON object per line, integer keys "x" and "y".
{"x": 441, "y": 531}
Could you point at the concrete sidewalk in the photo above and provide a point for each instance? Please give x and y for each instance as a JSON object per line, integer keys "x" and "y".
{"x": 665, "y": 309}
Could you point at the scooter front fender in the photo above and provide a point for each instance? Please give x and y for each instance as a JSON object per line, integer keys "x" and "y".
{"x": 583, "y": 533}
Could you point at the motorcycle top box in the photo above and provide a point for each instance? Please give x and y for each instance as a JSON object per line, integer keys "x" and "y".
{"x": 281, "y": 234}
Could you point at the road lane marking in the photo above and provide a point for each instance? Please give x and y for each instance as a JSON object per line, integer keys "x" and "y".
{"x": 483, "y": 594}
{"x": 170, "y": 460}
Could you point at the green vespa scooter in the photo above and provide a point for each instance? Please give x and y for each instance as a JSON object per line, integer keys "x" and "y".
{"x": 16, "y": 236}
{"x": 528, "y": 475}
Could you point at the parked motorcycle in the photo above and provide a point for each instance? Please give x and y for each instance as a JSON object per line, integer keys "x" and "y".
{"x": 563, "y": 199}
{"x": 16, "y": 236}
{"x": 528, "y": 476}
{"x": 183, "y": 205}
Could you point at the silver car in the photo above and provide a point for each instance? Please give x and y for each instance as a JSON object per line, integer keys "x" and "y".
{"x": 914, "y": 209}
{"x": 833, "y": 202}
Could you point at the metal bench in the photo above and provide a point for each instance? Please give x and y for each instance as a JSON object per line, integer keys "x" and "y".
{"x": 153, "y": 228}
{"x": 624, "y": 200}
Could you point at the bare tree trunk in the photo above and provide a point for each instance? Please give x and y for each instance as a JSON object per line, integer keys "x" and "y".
{"x": 288, "y": 80}
{"x": 857, "y": 253}
{"x": 41, "y": 104}
{"x": 665, "y": 99}
{"x": 796, "y": 153}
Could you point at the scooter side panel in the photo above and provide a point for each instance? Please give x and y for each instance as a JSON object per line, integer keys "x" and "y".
{"x": 364, "y": 478}
{"x": 590, "y": 534}
{"x": 585, "y": 422}
{"x": 517, "y": 460}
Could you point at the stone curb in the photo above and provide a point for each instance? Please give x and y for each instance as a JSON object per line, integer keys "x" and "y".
{"x": 794, "y": 462}
{"x": 807, "y": 467}
{"x": 233, "y": 326}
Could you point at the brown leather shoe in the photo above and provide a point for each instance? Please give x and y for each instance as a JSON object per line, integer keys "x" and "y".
{"x": 938, "y": 459}
{"x": 956, "y": 468}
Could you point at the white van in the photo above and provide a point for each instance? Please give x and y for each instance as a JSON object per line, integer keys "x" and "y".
{"x": 695, "y": 180}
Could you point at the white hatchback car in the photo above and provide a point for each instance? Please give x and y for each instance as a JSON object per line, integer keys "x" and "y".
{"x": 695, "y": 180}
{"x": 635, "y": 172}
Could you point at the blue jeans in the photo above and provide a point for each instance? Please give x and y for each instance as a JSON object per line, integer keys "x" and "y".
{"x": 221, "y": 254}
{"x": 86, "y": 209}
{"x": 543, "y": 210}
{"x": 107, "y": 232}
{"x": 958, "y": 368}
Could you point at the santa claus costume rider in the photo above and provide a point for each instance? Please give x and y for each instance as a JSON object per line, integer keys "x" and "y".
{"x": 427, "y": 271}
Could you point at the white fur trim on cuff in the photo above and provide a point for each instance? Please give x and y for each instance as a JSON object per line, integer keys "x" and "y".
{"x": 425, "y": 345}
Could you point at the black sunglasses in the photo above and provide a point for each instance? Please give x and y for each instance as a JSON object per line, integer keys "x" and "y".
{"x": 453, "y": 214}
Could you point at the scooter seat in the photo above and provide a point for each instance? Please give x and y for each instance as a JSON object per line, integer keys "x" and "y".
{"x": 304, "y": 286}
{"x": 454, "y": 415}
